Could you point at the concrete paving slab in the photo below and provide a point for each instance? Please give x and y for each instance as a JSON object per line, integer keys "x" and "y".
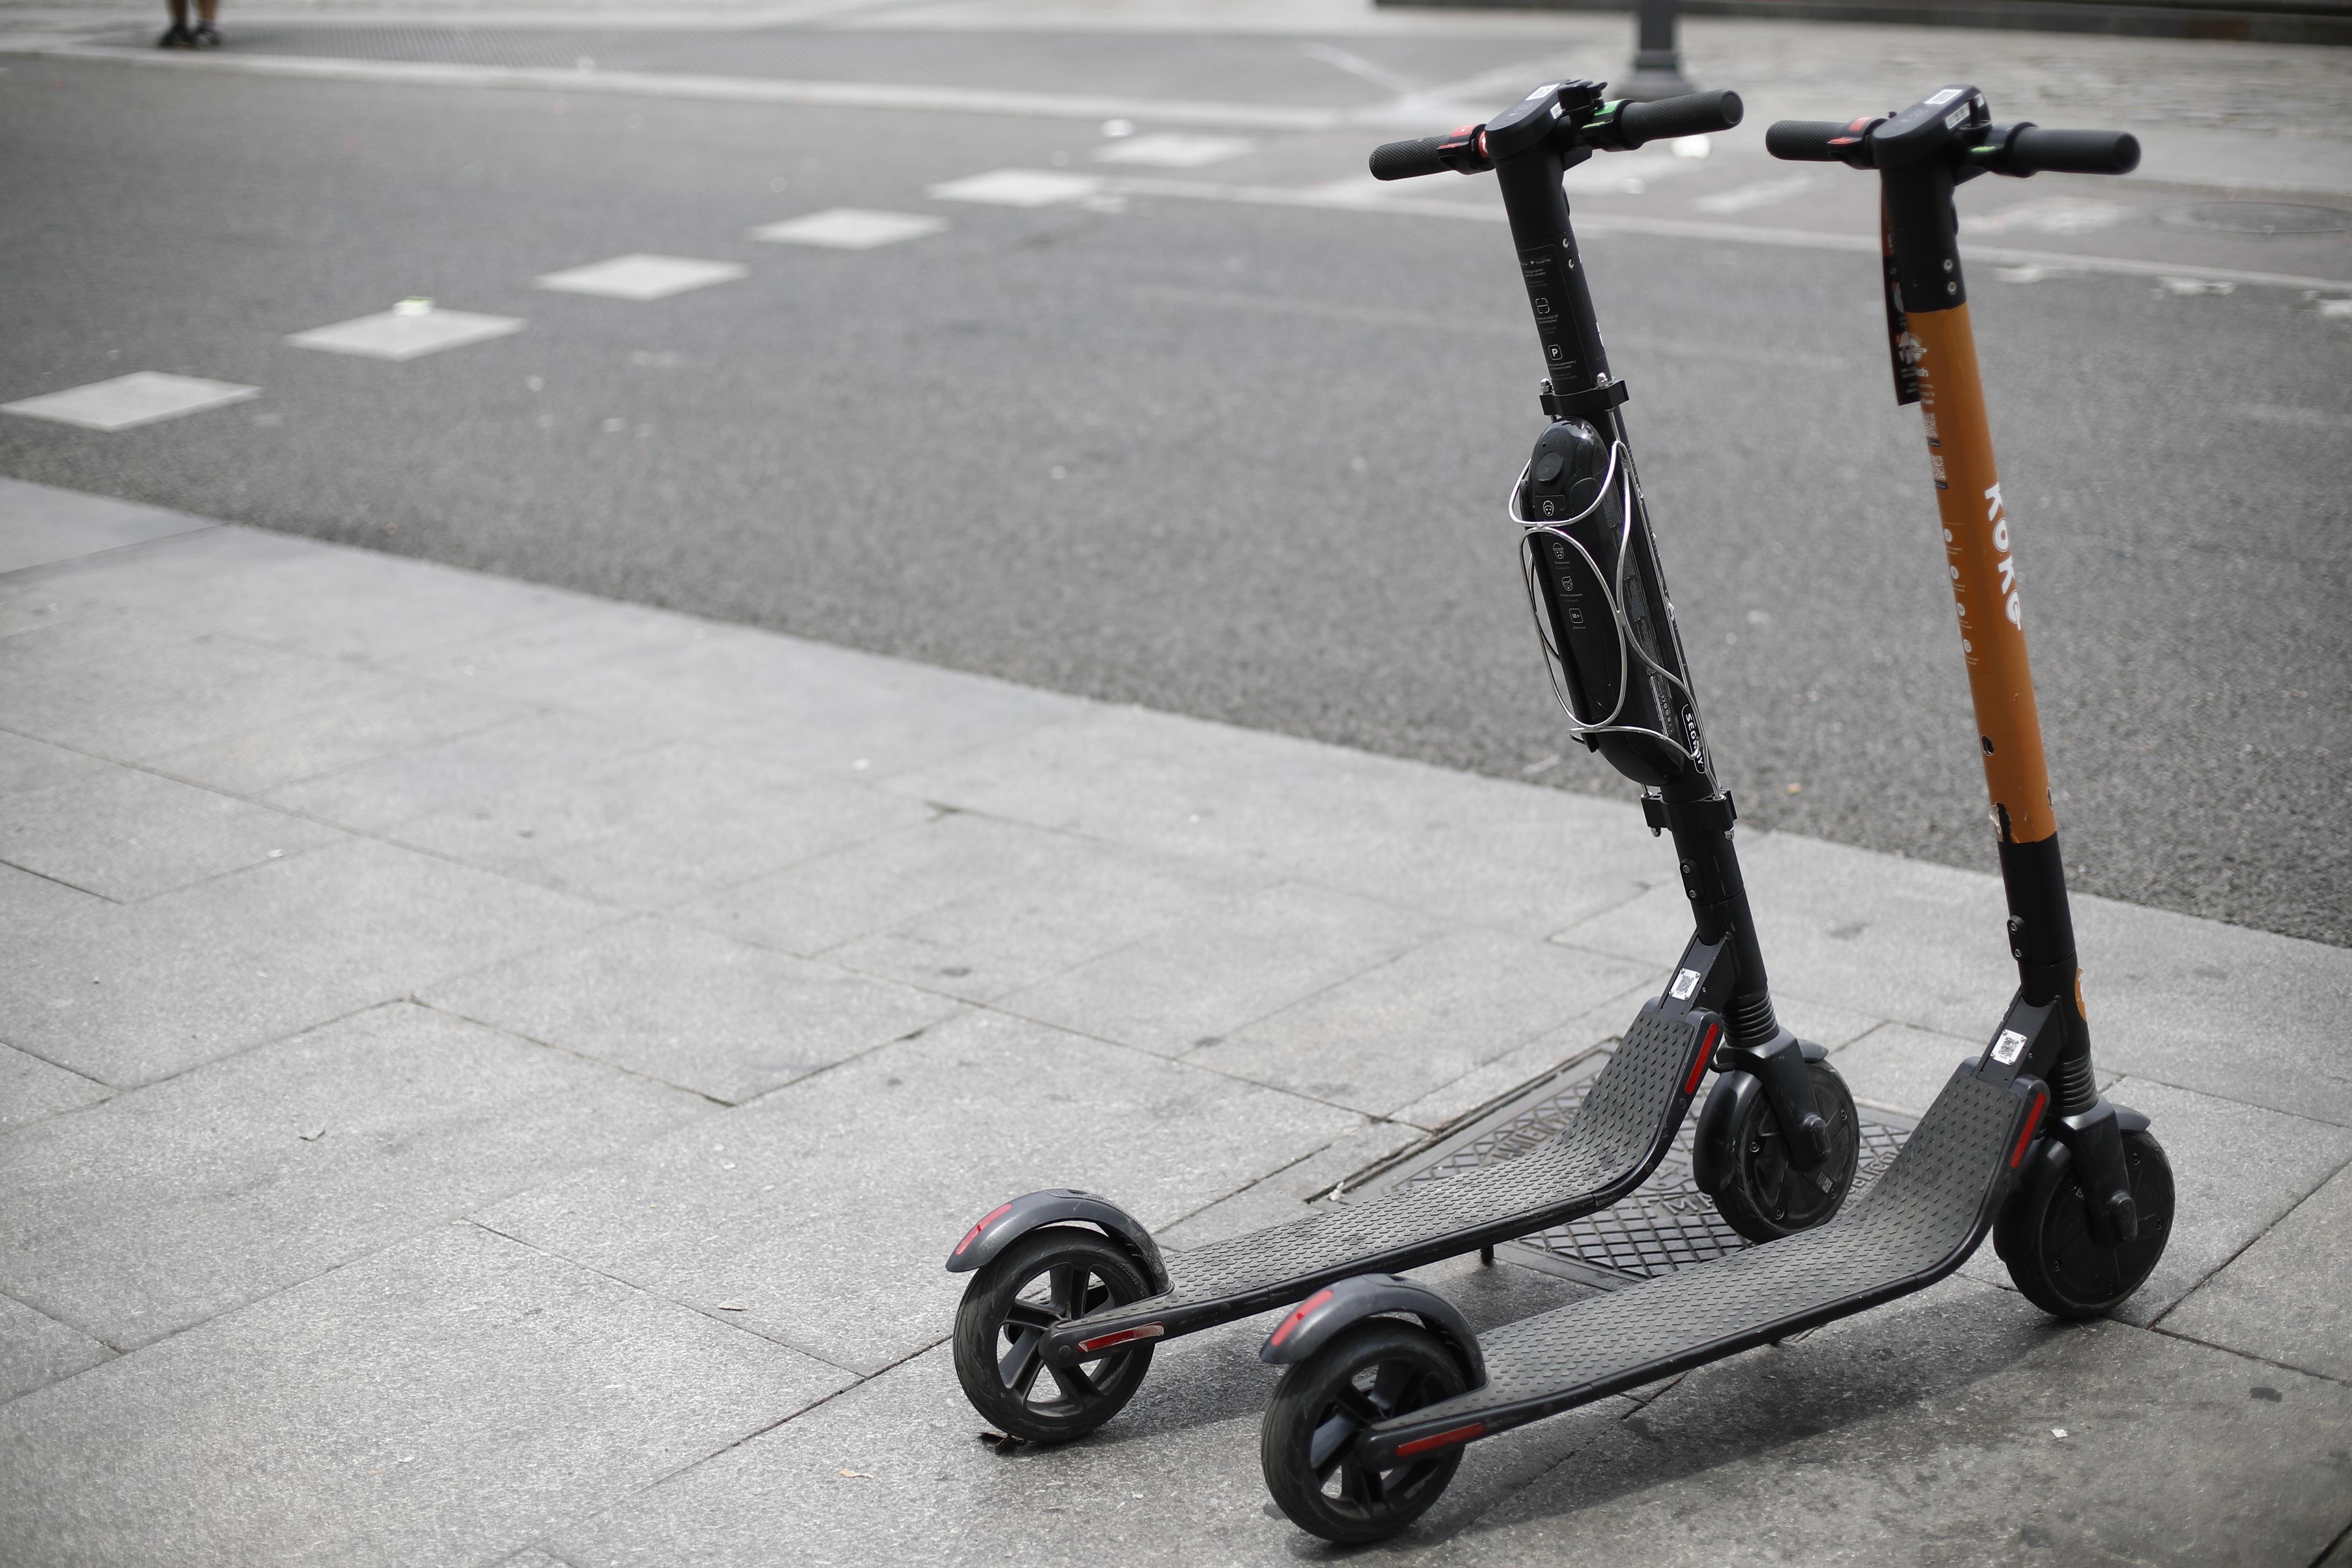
{"x": 125, "y": 834}
{"x": 1172, "y": 1480}
{"x": 268, "y": 757}
{"x": 362, "y": 605}
{"x": 127, "y": 687}
{"x": 828, "y": 1208}
{"x": 1276, "y": 1198}
{"x": 652, "y": 828}
{"x": 31, "y": 902}
{"x": 2237, "y": 1170}
{"x": 30, "y": 765}
{"x": 1394, "y": 1033}
{"x": 1469, "y": 850}
{"x": 559, "y": 659}
{"x": 879, "y": 882}
{"x": 1930, "y": 1433}
{"x": 1474, "y": 1092}
{"x": 1823, "y": 1023}
{"x": 451, "y": 1399}
{"x": 193, "y": 975}
{"x": 1923, "y": 945}
{"x": 1197, "y": 983}
{"x": 478, "y": 765}
{"x": 36, "y": 1350}
{"x": 2288, "y": 1298}
{"x": 179, "y": 1201}
{"x": 31, "y": 1088}
{"x": 1076, "y": 902}
{"x": 1900, "y": 1068}
{"x": 829, "y": 710}
{"x": 40, "y": 525}
{"x": 689, "y": 1007}
{"x": 153, "y": 577}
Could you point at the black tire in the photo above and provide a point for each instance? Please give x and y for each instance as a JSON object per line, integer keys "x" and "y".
{"x": 2044, "y": 1233}
{"x": 1763, "y": 1196}
{"x": 1046, "y": 1276}
{"x": 1379, "y": 1368}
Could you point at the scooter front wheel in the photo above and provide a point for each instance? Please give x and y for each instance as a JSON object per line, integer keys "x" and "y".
{"x": 1047, "y": 1277}
{"x": 1379, "y": 1368}
{"x": 2045, "y": 1237}
{"x": 1763, "y": 1194}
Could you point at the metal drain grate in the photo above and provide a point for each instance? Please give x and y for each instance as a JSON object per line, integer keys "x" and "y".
{"x": 1667, "y": 1226}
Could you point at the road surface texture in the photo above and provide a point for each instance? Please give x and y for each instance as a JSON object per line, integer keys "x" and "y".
{"x": 1208, "y": 426}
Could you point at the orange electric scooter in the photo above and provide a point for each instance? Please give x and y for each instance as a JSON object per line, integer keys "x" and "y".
{"x": 1374, "y": 1408}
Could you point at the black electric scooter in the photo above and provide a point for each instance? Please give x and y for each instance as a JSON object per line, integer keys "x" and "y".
{"x": 1369, "y": 1422}
{"x": 1069, "y": 1292}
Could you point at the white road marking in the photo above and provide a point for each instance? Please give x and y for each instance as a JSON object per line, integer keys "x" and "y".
{"x": 2172, "y": 284}
{"x": 143, "y": 398}
{"x": 640, "y": 276}
{"x": 405, "y": 333}
{"x": 1174, "y": 149}
{"x": 754, "y": 89}
{"x": 2287, "y": 413}
{"x": 850, "y": 228}
{"x": 1760, "y": 193}
{"x": 2034, "y": 274}
{"x": 1020, "y": 187}
{"x": 1357, "y": 65}
{"x": 2050, "y": 214}
{"x": 2335, "y": 309}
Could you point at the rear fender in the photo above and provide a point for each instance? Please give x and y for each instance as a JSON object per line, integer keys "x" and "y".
{"x": 1313, "y": 1323}
{"x": 1007, "y": 1223}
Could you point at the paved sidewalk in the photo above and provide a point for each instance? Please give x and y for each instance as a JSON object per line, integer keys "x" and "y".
{"x": 491, "y": 1075}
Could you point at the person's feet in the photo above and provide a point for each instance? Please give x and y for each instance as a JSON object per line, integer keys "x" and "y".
{"x": 177, "y": 37}
{"x": 203, "y": 37}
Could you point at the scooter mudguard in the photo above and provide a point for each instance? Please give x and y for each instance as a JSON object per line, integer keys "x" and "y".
{"x": 1007, "y": 1223}
{"x": 1313, "y": 1322}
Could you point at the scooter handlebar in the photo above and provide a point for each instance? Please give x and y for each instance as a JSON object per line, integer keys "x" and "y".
{"x": 1817, "y": 140}
{"x": 1408, "y": 160}
{"x": 1692, "y": 115}
{"x": 2033, "y": 151}
{"x": 2019, "y": 150}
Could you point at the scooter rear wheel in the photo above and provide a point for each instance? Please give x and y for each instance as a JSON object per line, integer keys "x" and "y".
{"x": 2044, "y": 1233}
{"x": 1379, "y": 1368}
{"x": 1047, "y": 1277}
{"x": 1763, "y": 1196}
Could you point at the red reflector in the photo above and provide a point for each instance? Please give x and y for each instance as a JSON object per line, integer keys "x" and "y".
{"x": 1706, "y": 1053}
{"x": 1124, "y": 1336}
{"x": 990, "y": 1218}
{"x": 1443, "y": 1440}
{"x": 2032, "y": 1120}
{"x": 1299, "y": 1315}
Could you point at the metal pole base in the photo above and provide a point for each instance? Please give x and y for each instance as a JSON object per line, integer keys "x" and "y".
{"x": 1656, "y": 74}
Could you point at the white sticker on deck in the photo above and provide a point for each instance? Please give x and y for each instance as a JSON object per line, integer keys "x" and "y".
{"x": 2009, "y": 1048}
{"x": 1685, "y": 982}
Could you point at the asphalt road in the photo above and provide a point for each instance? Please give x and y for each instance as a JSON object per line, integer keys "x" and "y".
{"x": 1234, "y": 458}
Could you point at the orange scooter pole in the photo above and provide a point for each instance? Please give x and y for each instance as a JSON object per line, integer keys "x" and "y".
{"x": 1920, "y": 155}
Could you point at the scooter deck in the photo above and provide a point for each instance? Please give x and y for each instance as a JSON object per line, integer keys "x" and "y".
{"x": 1622, "y": 1130}
{"x": 1920, "y": 1222}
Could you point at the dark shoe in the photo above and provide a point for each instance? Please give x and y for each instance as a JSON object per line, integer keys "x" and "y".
{"x": 203, "y": 37}
{"x": 177, "y": 37}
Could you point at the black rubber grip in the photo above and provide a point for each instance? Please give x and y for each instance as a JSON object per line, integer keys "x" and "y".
{"x": 1692, "y": 115}
{"x": 2034, "y": 151}
{"x": 1405, "y": 160}
{"x": 1806, "y": 141}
